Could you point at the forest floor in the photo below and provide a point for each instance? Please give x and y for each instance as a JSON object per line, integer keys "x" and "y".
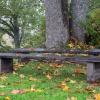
{"x": 43, "y": 81}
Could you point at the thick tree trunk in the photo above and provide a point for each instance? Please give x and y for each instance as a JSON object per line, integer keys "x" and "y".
{"x": 79, "y": 11}
{"x": 17, "y": 41}
{"x": 56, "y": 23}
{"x": 16, "y": 31}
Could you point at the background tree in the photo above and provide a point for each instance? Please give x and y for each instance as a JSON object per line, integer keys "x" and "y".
{"x": 79, "y": 11}
{"x": 17, "y": 18}
{"x": 56, "y": 23}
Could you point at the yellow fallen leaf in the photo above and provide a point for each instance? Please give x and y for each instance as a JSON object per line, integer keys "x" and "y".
{"x": 7, "y": 98}
{"x": 2, "y": 86}
{"x": 15, "y": 73}
{"x": 38, "y": 90}
{"x": 21, "y": 76}
{"x": 70, "y": 45}
{"x": 34, "y": 79}
{"x": 65, "y": 88}
{"x": 33, "y": 87}
{"x": 73, "y": 98}
{"x": 72, "y": 81}
{"x": 3, "y": 78}
{"x": 97, "y": 96}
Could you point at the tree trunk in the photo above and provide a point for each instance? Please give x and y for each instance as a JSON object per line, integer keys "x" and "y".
{"x": 16, "y": 32}
{"x": 17, "y": 41}
{"x": 56, "y": 23}
{"x": 79, "y": 11}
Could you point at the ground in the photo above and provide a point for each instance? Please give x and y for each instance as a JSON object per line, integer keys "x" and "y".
{"x": 43, "y": 81}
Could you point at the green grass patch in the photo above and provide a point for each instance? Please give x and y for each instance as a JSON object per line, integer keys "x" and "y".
{"x": 35, "y": 74}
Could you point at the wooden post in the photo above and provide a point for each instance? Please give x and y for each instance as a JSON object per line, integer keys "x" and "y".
{"x": 93, "y": 71}
{"x": 6, "y": 65}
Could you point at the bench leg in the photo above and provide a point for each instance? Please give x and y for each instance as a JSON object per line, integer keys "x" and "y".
{"x": 6, "y": 65}
{"x": 93, "y": 72}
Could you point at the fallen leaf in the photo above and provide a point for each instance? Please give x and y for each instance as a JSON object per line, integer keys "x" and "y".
{"x": 3, "y": 78}
{"x": 89, "y": 98}
{"x": 49, "y": 76}
{"x": 55, "y": 65}
{"x": 2, "y": 86}
{"x": 96, "y": 84}
{"x": 71, "y": 45}
{"x": 17, "y": 65}
{"x": 77, "y": 70}
{"x": 57, "y": 73}
{"x": 38, "y": 67}
{"x": 38, "y": 90}
{"x": 34, "y": 79}
{"x": 7, "y": 98}
{"x": 89, "y": 89}
{"x": 72, "y": 81}
{"x": 15, "y": 91}
{"x": 66, "y": 80}
{"x": 21, "y": 76}
{"x": 2, "y": 93}
{"x": 72, "y": 98}
{"x": 32, "y": 87}
{"x": 21, "y": 91}
{"x": 15, "y": 73}
{"x": 97, "y": 96}
{"x": 65, "y": 88}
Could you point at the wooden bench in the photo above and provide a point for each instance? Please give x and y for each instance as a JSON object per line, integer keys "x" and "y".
{"x": 92, "y": 59}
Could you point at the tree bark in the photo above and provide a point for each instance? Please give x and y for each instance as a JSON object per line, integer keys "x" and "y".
{"x": 16, "y": 32}
{"x": 56, "y": 23}
{"x": 79, "y": 11}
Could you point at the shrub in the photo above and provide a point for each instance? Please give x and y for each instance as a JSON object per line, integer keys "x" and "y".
{"x": 93, "y": 28}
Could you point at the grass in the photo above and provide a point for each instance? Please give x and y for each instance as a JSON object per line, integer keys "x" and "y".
{"x": 35, "y": 74}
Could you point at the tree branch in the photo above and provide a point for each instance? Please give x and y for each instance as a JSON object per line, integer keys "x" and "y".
{"x": 6, "y": 24}
{"x": 11, "y": 22}
{"x": 6, "y": 31}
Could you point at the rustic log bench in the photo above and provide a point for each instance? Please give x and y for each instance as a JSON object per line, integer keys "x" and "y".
{"x": 93, "y": 62}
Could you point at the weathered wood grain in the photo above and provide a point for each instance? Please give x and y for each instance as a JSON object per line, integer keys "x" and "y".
{"x": 43, "y": 50}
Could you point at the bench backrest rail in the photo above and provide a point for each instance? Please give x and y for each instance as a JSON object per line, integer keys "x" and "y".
{"x": 43, "y": 50}
{"x": 51, "y": 57}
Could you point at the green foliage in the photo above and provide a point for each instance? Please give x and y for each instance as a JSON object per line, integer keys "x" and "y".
{"x": 38, "y": 38}
{"x": 22, "y": 15}
{"x": 93, "y": 27}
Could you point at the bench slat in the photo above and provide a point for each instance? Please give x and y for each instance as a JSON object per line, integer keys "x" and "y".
{"x": 50, "y": 57}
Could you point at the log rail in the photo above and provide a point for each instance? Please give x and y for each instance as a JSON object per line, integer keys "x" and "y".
{"x": 42, "y": 50}
{"x": 40, "y": 54}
